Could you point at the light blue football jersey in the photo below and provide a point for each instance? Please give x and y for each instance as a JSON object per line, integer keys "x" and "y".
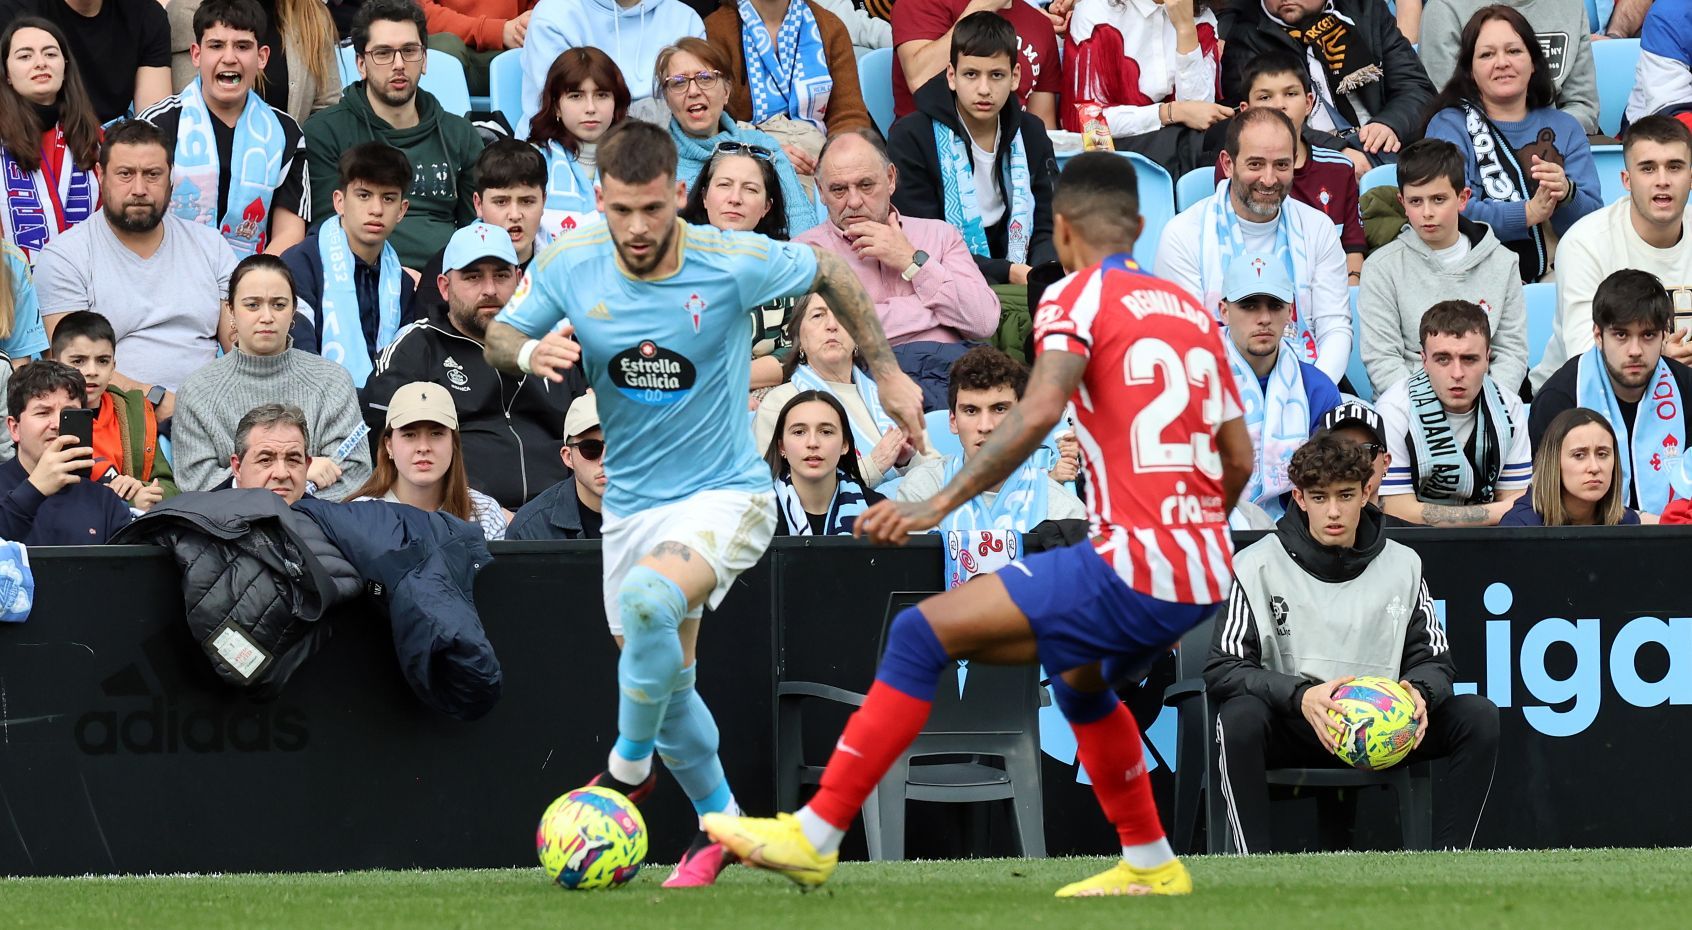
{"x": 670, "y": 360}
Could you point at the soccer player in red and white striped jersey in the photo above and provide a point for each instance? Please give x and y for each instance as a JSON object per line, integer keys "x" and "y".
{"x": 1167, "y": 454}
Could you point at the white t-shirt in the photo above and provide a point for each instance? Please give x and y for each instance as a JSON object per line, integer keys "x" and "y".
{"x": 1515, "y": 472}
{"x": 987, "y": 196}
{"x": 1452, "y": 256}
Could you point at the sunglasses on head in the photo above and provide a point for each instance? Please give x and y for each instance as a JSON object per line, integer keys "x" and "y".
{"x": 729, "y": 147}
{"x": 589, "y": 449}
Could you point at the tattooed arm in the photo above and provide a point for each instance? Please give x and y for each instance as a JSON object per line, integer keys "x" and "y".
{"x": 852, "y": 306}
{"x": 1407, "y": 507}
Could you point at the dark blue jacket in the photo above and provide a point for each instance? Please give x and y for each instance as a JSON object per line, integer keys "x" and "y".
{"x": 555, "y": 513}
{"x": 84, "y": 514}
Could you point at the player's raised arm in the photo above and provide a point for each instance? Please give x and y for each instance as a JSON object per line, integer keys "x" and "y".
{"x": 852, "y": 306}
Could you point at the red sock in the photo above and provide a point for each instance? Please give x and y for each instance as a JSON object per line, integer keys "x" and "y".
{"x": 1110, "y": 750}
{"x": 887, "y": 723}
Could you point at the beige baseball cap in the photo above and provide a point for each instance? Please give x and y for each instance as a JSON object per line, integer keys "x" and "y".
{"x": 420, "y": 402}
{"x": 582, "y": 416}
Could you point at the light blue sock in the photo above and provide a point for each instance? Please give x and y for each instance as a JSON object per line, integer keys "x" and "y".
{"x": 652, "y": 608}
{"x": 687, "y": 742}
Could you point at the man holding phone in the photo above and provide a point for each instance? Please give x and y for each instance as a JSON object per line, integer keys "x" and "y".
{"x": 44, "y": 498}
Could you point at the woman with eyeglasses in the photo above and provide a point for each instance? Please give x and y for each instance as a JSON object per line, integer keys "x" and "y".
{"x": 420, "y": 461}
{"x": 1577, "y": 477}
{"x": 791, "y": 72}
{"x": 827, "y": 360}
{"x": 584, "y": 97}
{"x": 49, "y": 138}
{"x": 738, "y": 190}
{"x": 691, "y": 79}
{"x": 819, "y": 490}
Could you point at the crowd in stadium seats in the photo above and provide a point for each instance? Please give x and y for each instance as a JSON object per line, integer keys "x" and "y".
{"x": 201, "y": 220}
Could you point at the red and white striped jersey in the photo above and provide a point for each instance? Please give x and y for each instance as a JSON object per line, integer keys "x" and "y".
{"x": 1156, "y": 389}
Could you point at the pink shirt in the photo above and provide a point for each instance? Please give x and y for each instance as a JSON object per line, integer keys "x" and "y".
{"x": 947, "y": 301}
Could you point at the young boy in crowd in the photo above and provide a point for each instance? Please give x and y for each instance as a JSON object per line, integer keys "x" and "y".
{"x": 126, "y": 428}
{"x": 1440, "y": 255}
{"x": 510, "y": 194}
{"x": 1327, "y": 167}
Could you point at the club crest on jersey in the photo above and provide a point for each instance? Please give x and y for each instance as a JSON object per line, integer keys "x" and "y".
{"x": 1324, "y": 196}
{"x": 455, "y": 374}
{"x": 695, "y": 306}
{"x": 651, "y": 374}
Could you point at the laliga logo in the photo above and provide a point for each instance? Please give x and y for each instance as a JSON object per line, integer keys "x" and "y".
{"x": 1566, "y": 706}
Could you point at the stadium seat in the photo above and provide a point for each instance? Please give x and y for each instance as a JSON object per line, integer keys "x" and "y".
{"x": 505, "y": 86}
{"x": 444, "y": 78}
{"x": 1354, "y": 370}
{"x": 1157, "y": 206}
{"x": 1197, "y": 777}
{"x": 937, "y": 424}
{"x": 1541, "y": 300}
{"x": 1615, "y": 61}
{"x": 1193, "y": 187}
{"x": 979, "y": 710}
{"x": 1610, "y": 167}
{"x": 1379, "y": 176}
{"x": 875, "y": 81}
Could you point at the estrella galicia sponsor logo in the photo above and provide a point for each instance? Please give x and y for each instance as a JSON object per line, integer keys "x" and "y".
{"x": 652, "y": 374}
{"x": 138, "y": 719}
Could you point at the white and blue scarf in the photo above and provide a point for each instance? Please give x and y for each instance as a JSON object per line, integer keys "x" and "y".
{"x": 849, "y": 501}
{"x": 1277, "y": 419}
{"x": 1444, "y": 474}
{"x": 569, "y": 194}
{"x": 17, "y": 583}
{"x": 806, "y": 379}
{"x": 340, "y": 327}
{"x": 1020, "y": 504}
{"x": 963, "y": 210}
{"x": 1229, "y": 243}
{"x": 789, "y": 76}
{"x": 40, "y": 204}
{"x": 1650, "y": 439}
{"x": 253, "y": 178}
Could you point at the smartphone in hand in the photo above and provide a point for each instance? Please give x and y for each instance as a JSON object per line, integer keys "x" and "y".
{"x": 78, "y": 422}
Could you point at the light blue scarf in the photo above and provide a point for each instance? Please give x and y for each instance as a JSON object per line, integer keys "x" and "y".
{"x": 253, "y": 178}
{"x": 790, "y": 75}
{"x": 569, "y": 194}
{"x": 843, "y": 511}
{"x": 806, "y": 378}
{"x": 1650, "y": 438}
{"x": 17, "y": 583}
{"x": 341, "y": 330}
{"x": 1229, "y": 243}
{"x": 958, "y": 180}
{"x": 1278, "y": 421}
{"x": 1019, "y": 506}
{"x": 1444, "y": 474}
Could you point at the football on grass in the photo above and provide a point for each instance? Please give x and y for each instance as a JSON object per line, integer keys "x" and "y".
{"x": 591, "y": 838}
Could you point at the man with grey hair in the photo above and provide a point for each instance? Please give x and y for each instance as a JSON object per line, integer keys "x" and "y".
{"x": 928, "y": 292}
{"x": 271, "y": 443}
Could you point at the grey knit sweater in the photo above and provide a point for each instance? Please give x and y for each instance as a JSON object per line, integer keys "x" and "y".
{"x": 213, "y": 400}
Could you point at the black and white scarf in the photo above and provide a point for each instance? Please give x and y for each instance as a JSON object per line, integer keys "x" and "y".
{"x": 1445, "y": 473}
{"x": 1504, "y": 179}
{"x": 849, "y": 501}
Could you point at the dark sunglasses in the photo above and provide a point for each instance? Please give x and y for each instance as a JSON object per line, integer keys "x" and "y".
{"x": 1373, "y": 448}
{"x": 730, "y": 147}
{"x": 589, "y": 449}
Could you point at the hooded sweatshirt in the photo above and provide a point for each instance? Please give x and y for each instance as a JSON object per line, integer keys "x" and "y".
{"x": 1405, "y": 277}
{"x": 443, "y": 149}
{"x": 1564, "y": 36}
{"x": 633, "y": 36}
{"x": 920, "y": 191}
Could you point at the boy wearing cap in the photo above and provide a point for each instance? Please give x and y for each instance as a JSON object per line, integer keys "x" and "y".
{"x": 572, "y": 508}
{"x": 1284, "y": 396}
{"x": 508, "y": 422}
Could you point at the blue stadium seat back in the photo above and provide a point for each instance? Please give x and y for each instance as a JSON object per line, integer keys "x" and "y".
{"x": 1592, "y": 19}
{"x": 1354, "y": 370}
{"x": 1615, "y": 61}
{"x": 348, "y": 60}
{"x": 1610, "y": 167}
{"x": 1379, "y": 176}
{"x": 445, "y": 79}
{"x": 1541, "y": 300}
{"x": 505, "y": 86}
{"x": 938, "y": 425}
{"x": 1194, "y": 186}
{"x": 1157, "y": 205}
{"x": 875, "y": 81}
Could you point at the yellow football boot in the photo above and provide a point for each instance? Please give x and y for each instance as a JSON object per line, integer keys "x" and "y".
{"x": 776, "y": 844}
{"x": 1122, "y": 878}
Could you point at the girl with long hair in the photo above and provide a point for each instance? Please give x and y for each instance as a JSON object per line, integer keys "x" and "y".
{"x": 1576, "y": 476}
{"x": 819, "y": 490}
{"x": 584, "y": 97}
{"x": 49, "y": 137}
{"x": 420, "y": 460}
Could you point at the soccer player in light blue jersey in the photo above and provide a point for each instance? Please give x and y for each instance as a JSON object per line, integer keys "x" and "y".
{"x": 657, "y": 311}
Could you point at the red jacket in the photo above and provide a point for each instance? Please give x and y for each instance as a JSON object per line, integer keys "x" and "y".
{"x": 480, "y": 23}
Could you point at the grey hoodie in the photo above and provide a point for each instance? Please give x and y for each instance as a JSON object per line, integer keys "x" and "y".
{"x": 1564, "y": 35}
{"x": 1404, "y": 278}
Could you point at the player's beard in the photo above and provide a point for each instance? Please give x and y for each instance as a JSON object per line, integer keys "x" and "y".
{"x": 645, "y": 266}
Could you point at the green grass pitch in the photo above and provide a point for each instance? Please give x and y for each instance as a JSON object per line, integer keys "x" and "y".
{"x": 1608, "y": 889}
